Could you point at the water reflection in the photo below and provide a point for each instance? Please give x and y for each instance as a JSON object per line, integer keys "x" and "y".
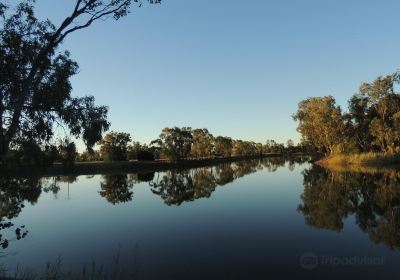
{"x": 116, "y": 188}
{"x": 330, "y": 197}
{"x": 174, "y": 188}
{"x": 178, "y": 186}
{"x": 14, "y": 193}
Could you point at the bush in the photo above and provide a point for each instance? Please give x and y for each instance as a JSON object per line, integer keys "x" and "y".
{"x": 145, "y": 155}
{"x": 30, "y": 153}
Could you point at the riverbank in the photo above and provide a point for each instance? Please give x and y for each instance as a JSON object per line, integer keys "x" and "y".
{"x": 99, "y": 167}
{"x": 360, "y": 160}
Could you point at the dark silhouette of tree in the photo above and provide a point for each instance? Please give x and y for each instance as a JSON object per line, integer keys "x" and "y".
{"x": 67, "y": 153}
{"x": 35, "y": 91}
{"x": 137, "y": 151}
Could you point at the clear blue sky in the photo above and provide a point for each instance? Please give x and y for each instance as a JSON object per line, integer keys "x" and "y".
{"x": 238, "y": 68}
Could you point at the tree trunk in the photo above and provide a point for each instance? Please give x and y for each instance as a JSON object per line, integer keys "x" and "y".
{"x": 4, "y": 147}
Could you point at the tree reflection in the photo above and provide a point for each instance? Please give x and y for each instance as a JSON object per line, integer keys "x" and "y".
{"x": 178, "y": 186}
{"x": 14, "y": 192}
{"x": 53, "y": 183}
{"x": 174, "y": 187}
{"x": 116, "y": 188}
{"x": 373, "y": 198}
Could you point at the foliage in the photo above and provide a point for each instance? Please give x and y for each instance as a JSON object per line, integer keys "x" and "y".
{"x": 271, "y": 146}
{"x": 241, "y": 148}
{"x": 145, "y": 155}
{"x": 372, "y": 123}
{"x": 175, "y": 143}
{"x": 35, "y": 88}
{"x": 202, "y": 143}
{"x": 320, "y": 122}
{"x": 133, "y": 149}
{"x": 137, "y": 151}
{"x": 223, "y": 146}
{"x": 369, "y": 158}
{"x": 114, "y": 146}
{"x": 67, "y": 153}
{"x": 89, "y": 155}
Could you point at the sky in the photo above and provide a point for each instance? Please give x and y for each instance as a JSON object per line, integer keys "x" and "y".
{"x": 238, "y": 68}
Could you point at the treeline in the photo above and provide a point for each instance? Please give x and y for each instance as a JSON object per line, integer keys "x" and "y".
{"x": 371, "y": 124}
{"x": 175, "y": 144}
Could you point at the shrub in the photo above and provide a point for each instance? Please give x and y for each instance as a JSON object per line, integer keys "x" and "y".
{"x": 144, "y": 155}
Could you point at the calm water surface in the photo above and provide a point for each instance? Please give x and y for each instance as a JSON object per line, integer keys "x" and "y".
{"x": 245, "y": 220}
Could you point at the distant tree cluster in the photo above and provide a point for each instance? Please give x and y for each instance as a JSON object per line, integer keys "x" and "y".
{"x": 180, "y": 143}
{"x": 372, "y": 122}
{"x": 175, "y": 144}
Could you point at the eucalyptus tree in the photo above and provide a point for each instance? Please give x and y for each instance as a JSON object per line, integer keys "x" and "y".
{"x": 114, "y": 146}
{"x": 384, "y": 103}
{"x": 202, "y": 143}
{"x": 175, "y": 143}
{"x": 35, "y": 88}
{"x": 223, "y": 146}
{"x": 320, "y": 122}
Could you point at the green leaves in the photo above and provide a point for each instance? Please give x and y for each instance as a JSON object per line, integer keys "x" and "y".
{"x": 370, "y": 125}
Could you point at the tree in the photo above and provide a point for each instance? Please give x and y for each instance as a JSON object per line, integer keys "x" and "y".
{"x": 67, "y": 153}
{"x": 320, "y": 122}
{"x": 133, "y": 150}
{"x": 223, "y": 146}
{"x": 114, "y": 146}
{"x": 384, "y": 104}
{"x": 289, "y": 144}
{"x": 360, "y": 117}
{"x": 90, "y": 155}
{"x": 242, "y": 148}
{"x": 137, "y": 151}
{"x": 35, "y": 91}
{"x": 175, "y": 143}
{"x": 202, "y": 143}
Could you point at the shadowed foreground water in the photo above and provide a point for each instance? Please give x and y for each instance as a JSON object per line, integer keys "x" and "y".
{"x": 245, "y": 220}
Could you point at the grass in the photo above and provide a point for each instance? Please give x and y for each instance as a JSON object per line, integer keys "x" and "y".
{"x": 361, "y": 159}
{"x": 55, "y": 271}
